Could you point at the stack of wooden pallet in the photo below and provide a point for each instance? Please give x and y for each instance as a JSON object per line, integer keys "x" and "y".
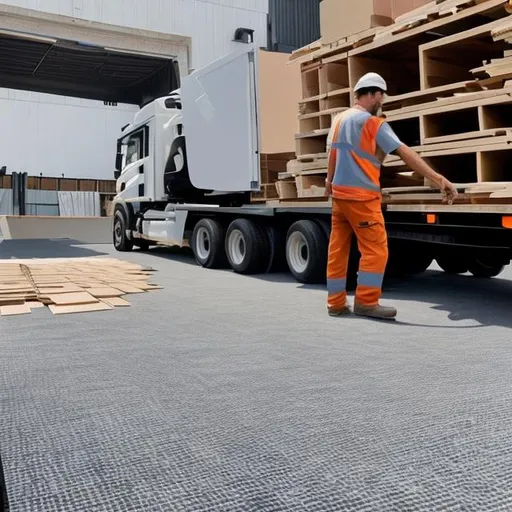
{"x": 271, "y": 164}
{"x": 447, "y": 65}
{"x": 69, "y": 285}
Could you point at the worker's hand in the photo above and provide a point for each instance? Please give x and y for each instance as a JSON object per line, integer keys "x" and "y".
{"x": 448, "y": 190}
{"x": 328, "y": 188}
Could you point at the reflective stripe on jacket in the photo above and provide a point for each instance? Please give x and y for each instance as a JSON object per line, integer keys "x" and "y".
{"x": 353, "y": 155}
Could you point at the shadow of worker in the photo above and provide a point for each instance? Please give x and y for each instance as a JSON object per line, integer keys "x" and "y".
{"x": 464, "y": 297}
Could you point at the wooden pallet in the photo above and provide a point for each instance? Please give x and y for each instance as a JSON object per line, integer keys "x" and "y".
{"x": 469, "y": 194}
{"x": 449, "y": 93}
{"x": 271, "y": 165}
{"x": 465, "y": 164}
{"x": 267, "y": 191}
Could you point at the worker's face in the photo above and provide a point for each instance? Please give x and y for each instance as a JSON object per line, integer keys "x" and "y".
{"x": 375, "y": 106}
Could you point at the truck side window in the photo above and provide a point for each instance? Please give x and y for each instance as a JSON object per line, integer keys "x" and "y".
{"x": 133, "y": 147}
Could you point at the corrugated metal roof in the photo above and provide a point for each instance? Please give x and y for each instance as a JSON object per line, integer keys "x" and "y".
{"x": 293, "y": 24}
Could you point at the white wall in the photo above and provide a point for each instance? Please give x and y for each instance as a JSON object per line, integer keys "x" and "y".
{"x": 55, "y": 135}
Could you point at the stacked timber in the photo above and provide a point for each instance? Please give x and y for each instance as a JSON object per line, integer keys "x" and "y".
{"x": 448, "y": 65}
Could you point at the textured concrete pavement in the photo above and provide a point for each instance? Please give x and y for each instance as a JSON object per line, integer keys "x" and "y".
{"x": 231, "y": 393}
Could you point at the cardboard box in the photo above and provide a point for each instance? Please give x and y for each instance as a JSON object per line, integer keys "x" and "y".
{"x": 280, "y": 92}
{"x": 399, "y": 7}
{"x": 341, "y": 18}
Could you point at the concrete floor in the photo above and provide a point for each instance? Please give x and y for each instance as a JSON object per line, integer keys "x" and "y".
{"x": 231, "y": 393}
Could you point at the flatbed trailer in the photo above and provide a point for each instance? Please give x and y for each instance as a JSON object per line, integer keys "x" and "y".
{"x": 254, "y": 239}
{"x": 189, "y": 162}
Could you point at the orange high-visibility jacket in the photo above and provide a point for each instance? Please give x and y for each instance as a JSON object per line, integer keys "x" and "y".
{"x": 357, "y": 137}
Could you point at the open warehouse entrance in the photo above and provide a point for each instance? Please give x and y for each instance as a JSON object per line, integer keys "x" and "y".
{"x": 75, "y": 68}
{"x": 67, "y": 86}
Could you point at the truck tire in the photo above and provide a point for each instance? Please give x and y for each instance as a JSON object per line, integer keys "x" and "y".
{"x": 485, "y": 267}
{"x": 208, "y": 244}
{"x": 247, "y": 247}
{"x": 121, "y": 242}
{"x": 277, "y": 243}
{"x": 454, "y": 264}
{"x": 306, "y": 252}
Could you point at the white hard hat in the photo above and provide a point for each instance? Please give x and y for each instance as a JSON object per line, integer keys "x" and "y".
{"x": 371, "y": 80}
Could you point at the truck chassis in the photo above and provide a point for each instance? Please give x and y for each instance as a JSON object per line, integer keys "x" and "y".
{"x": 256, "y": 239}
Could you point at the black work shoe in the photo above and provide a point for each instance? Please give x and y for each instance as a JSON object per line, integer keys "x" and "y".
{"x": 378, "y": 311}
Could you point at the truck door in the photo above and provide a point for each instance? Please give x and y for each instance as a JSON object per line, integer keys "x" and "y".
{"x": 220, "y": 120}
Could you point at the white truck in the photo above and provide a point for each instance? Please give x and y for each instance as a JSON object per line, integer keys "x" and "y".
{"x": 186, "y": 167}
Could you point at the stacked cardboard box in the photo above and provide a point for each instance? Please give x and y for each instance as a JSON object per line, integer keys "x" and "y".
{"x": 340, "y": 18}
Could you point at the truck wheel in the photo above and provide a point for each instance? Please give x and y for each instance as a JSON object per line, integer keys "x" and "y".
{"x": 306, "y": 252}
{"x": 208, "y": 243}
{"x": 485, "y": 267}
{"x": 121, "y": 242}
{"x": 247, "y": 247}
{"x": 454, "y": 264}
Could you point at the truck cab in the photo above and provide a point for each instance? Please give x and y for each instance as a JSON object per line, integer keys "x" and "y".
{"x": 198, "y": 143}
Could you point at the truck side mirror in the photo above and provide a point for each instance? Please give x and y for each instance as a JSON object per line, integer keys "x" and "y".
{"x": 117, "y": 174}
{"x": 119, "y": 161}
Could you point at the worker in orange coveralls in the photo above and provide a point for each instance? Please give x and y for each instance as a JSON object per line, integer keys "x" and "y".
{"x": 357, "y": 143}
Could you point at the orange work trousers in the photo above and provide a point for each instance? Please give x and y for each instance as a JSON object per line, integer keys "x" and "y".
{"x": 365, "y": 219}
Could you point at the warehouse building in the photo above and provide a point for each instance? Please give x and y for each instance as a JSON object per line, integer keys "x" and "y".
{"x": 73, "y": 72}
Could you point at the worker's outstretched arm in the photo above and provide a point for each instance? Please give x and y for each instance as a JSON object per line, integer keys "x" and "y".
{"x": 416, "y": 163}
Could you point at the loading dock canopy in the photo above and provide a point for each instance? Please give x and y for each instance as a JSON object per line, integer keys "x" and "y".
{"x": 72, "y": 68}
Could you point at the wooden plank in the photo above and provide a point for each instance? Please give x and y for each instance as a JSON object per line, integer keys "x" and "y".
{"x": 20, "y": 309}
{"x": 34, "y": 304}
{"x": 441, "y": 208}
{"x": 54, "y": 290}
{"x": 104, "y": 292}
{"x": 285, "y": 203}
{"x": 116, "y": 302}
{"x": 423, "y": 96}
{"x": 79, "y": 308}
{"x": 461, "y": 36}
{"x": 469, "y": 135}
{"x": 480, "y": 144}
{"x": 430, "y": 26}
{"x": 444, "y": 67}
{"x": 313, "y": 133}
{"x": 426, "y": 153}
{"x": 313, "y": 172}
{"x": 298, "y": 166}
{"x": 468, "y": 100}
{"x": 311, "y": 156}
{"x": 24, "y": 287}
{"x": 418, "y": 197}
{"x": 72, "y": 298}
{"x": 127, "y": 287}
{"x": 10, "y": 301}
